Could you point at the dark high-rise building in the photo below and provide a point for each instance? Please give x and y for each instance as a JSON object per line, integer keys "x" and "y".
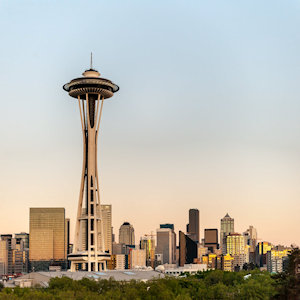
{"x": 193, "y": 227}
{"x": 211, "y": 239}
{"x": 187, "y": 249}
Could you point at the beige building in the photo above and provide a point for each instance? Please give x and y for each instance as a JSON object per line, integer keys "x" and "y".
{"x": 3, "y": 257}
{"x": 201, "y": 251}
{"x": 47, "y": 234}
{"x": 137, "y": 258}
{"x": 120, "y": 261}
{"x": 166, "y": 243}
{"x": 107, "y": 228}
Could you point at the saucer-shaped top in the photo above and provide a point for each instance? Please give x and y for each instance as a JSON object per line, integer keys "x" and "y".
{"x": 90, "y": 83}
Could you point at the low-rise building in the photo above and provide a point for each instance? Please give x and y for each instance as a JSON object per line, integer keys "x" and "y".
{"x": 275, "y": 260}
{"x": 227, "y": 263}
{"x": 187, "y": 268}
{"x": 137, "y": 258}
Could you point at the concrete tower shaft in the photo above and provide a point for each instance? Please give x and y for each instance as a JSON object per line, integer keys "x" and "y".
{"x": 89, "y": 249}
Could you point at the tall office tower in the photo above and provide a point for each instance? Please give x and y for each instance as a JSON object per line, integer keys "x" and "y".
{"x": 47, "y": 238}
{"x": 126, "y": 234}
{"x": 227, "y": 227}
{"x": 166, "y": 243}
{"x": 107, "y": 228}
{"x": 188, "y": 250}
{"x": 89, "y": 245}
{"x": 192, "y": 228}
{"x": 211, "y": 239}
{"x": 147, "y": 243}
{"x": 236, "y": 248}
{"x": 24, "y": 237}
{"x": 3, "y": 257}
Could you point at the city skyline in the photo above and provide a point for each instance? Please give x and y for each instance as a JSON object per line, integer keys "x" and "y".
{"x": 192, "y": 127}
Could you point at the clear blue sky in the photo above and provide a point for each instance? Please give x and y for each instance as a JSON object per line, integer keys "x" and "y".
{"x": 207, "y": 115}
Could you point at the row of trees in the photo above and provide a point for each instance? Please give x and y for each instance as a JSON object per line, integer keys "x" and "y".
{"x": 206, "y": 285}
{"x": 215, "y": 284}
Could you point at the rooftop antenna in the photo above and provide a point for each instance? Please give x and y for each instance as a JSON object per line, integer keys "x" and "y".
{"x": 91, "y": 60}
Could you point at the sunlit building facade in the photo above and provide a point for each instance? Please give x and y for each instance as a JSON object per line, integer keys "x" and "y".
{"x": 275, "y": 260}
{"x": 236, "y": 247}
{"x": 47, "y": 238}
{"x": 3, "y": 257}
{"x": 227, "y": 263}
{"x": 261, "y": 253}
{"x": 107, "y": 227}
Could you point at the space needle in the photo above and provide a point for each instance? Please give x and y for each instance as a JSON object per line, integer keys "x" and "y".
{"x": 89, "y": 249}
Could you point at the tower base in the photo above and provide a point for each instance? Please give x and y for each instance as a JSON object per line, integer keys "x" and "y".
{"x": 82, "y": 262}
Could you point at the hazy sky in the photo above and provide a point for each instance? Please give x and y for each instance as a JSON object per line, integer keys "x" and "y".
{"x": 207, "y": 115}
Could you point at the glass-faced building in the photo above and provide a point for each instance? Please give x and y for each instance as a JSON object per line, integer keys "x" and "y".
{"x": 48, "y": 236}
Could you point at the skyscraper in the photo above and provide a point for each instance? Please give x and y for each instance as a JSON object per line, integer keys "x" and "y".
{"x": 24, "y": 237}
{"x": 107, "y": 228}
{"x": 227, "y": 227}
{"x": 3, "y": 257}
{"x": 13, "y": 255}
{"x": 166, "y": 243}
{"x": 193, "y": 230}
{"x": 211, "y": 239}
{"x": 47, "y": 237}
{"x": 251, "y": 236}
{"x": 188, "y": 249}
{"x": 89, "y": 242}
{"x": 126, "y": 234}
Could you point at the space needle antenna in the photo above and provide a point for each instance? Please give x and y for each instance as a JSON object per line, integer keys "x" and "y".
{"x": 91, "y": 60}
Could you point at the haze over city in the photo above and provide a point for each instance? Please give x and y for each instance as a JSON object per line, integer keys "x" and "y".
{"x": 207, "y": 115}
